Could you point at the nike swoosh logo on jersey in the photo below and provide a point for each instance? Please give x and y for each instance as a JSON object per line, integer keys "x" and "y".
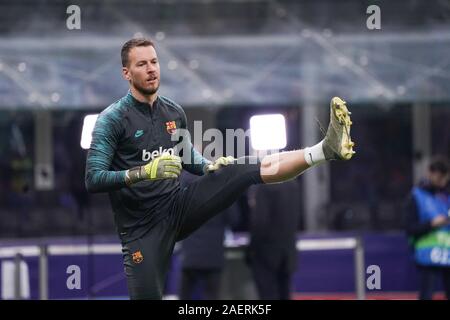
{"x": 138, "y": 133}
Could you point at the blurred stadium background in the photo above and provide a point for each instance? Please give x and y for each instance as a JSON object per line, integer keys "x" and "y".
{"x": 223, "y": 61}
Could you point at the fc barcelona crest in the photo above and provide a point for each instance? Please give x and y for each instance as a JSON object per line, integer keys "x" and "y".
{"x": 137, "y": 257}
{"x": 171, "y": 127}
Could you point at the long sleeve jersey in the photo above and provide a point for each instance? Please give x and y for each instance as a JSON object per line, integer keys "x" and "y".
{"x": 127, "y": 134}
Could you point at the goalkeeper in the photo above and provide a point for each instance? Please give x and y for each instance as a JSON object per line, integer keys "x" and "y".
{"x": 134, "y": 158}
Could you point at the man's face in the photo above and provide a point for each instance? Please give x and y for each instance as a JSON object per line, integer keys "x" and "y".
{"x": 438, "y": 179}
{"x": 143, "y": 69}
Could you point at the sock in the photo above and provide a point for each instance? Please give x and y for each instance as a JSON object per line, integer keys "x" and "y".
{"x": 314, "y": 155}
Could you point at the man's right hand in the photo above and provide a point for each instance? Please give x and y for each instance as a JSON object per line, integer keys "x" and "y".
{"x": 440, "y": 221}
{"x": 164, "y": 167}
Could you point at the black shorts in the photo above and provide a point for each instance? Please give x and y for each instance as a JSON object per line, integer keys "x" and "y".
{"x": 147, "y": 259}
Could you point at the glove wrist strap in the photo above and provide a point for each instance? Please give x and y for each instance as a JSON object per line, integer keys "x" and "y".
{"x": 134, "y": 175}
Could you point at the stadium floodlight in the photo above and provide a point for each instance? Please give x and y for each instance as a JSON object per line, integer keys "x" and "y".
{"x": 268, "y": 132}
{"x": 88, "y": 127}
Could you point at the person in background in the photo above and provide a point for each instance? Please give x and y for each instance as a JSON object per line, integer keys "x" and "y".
{"x": 202, "y": 261}
{"x": 203, "y": 255}
{"x": 428, "y": 226}
{"x": 272, "y": 251}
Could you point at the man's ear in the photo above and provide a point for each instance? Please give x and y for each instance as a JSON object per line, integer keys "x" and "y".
{"x": 126, "y": 73}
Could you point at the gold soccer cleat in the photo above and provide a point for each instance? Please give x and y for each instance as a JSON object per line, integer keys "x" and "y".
{"x": 338, "y": 144}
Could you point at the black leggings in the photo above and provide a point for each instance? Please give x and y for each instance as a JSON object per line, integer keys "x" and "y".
{"x": 147, "y": 259}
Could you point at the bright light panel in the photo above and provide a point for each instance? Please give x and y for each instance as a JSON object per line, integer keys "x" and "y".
{"x": 268, "y": 132}
{"x": 88, "y": 127}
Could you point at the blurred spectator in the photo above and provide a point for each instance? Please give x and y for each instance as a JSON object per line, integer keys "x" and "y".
{"x": 203, "y": 255}
{"x": 273, "y": 228}
{"x": 202, "y": 260}
{"x": 428, "y": 225}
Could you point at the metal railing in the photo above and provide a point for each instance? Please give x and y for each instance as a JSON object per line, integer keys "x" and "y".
{"x": 44, "y": 251}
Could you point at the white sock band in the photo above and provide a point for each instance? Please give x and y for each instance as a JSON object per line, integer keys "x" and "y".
{"x": 314, "y": 155}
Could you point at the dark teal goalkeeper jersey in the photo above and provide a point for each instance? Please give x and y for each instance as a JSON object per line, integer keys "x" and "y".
{"x": 127, "y": 134}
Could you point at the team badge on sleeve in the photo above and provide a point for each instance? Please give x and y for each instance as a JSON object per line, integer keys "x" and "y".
{"x": 171, "y": 127}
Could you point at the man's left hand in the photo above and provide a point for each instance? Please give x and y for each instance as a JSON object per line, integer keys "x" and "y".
{"x": 219, "y": 163}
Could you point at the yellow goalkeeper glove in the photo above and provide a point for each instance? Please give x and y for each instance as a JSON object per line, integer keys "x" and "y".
{"x": 219, "y": 163}
{"x": 164, "y": 167}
